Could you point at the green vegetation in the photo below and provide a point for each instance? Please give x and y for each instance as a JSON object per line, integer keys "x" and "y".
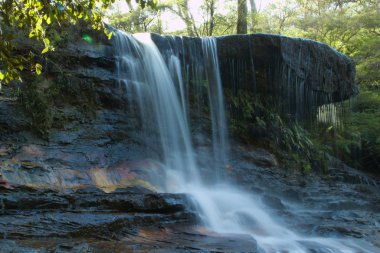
{"x": 256, "y": 121}
{"x": 42, "y": 99}
{"x": 138, "y": 20}
{"x": 39, "y": 21}
{"x": 357, "y": 140}
{"x": 307, "y": 145}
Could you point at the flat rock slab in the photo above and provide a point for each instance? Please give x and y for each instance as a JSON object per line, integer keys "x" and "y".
{"x": 90, "y": 220}
{"x": 193, "y": 239}
{"x": 168, "y": 239}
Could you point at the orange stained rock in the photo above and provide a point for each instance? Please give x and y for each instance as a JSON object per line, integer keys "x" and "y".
{"x": 153, "y": 233}
{"x": 33, "y": 150}
{"x": 4, "y": 183}
{"x": 110, "y": 179}
{"x": 3, "y": 151}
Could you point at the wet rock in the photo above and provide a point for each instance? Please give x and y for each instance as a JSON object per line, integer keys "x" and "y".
{"x": 261, "y": 157}
{"x": 8, "y": 246}
{"x": 292, "y": 195}
{"x": 273, "y": 202}
{"x": 4, "y": 183}
{"x": 90, "y": 152}
{"x": 72, "y": 248}
{"x": 345, "y": 205}
{"x": 343, "y": 173}
{"x": 270, "y": 66}
{"x": 71, "y": 167}
{"x": 63, "y": 138}
{"x": 149, "y": 239}
{"x": 89, "y": 212}
{"x": 196, "y": 240}
{"x": 29, "y": 200}
{"x": 327, "y": 230}
{"x": 89, "y": 220}
{"x": 322, "y": 206}
{"x": 12, "y": 118}
{"x": 322, "y": 70}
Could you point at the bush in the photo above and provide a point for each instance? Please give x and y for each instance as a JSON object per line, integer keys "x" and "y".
{"x": 359, "y": 141}
{"x": 256, "y": 120}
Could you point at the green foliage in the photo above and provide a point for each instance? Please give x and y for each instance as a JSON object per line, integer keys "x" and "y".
{"x": 37, "y": 20}
{"x": 352, "y": 27}
{"x": 37, "y": 103}
{"x": 358, "y": 141}
{"x": 138, "y": 20}
{"x": 42, "y": 98}
{"x": 256, "y": 120}
{"x": 303, "y": 151}
{"x": 245, "y": 107}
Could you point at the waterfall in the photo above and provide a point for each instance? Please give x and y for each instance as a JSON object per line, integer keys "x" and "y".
{"x": 157, "y": 88}
{"x": 216, "y": 105}
{"x": 161, "y": 109}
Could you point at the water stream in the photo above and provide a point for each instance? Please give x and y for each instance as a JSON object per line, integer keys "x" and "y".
{"x": 156, "y": 86}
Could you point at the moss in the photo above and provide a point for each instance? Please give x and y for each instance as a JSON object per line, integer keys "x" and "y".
{"x": 43, "y": 97}
{"x": 37, "y": 103}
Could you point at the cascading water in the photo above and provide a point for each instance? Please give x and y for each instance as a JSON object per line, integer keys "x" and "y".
{"x": 161, "y": 108}
{"x": 216, "y": 105}
{"x": 157, "y": 88}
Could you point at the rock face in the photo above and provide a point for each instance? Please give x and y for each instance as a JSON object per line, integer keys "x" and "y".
{"x": 56, "y": 189}
{"x": 79, "y": 146}
{"x": 89, "y": 220}
{"x": 342, "y": 204}
{"x": 280, "y": 63}
{"x": 302, "y": 72}
{"x": 299, "y": 74}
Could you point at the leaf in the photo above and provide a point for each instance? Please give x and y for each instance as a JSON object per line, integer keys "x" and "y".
{"x": 38, "y": 68}
{"x": 45, "y": 50}
{"x": 109, "y": 35}
{"x": 1, "y": 75}
{"x": 46, "y": 42}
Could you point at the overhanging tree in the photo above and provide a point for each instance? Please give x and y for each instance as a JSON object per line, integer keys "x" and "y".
{"x": 33, "y": 18}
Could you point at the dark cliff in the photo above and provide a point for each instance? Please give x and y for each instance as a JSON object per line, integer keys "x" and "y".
{"x": 90, "y": 124}
{"x": 299, "y": 74}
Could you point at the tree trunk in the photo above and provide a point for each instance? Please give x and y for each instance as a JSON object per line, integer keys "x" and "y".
{"x": 212, "y": 18}
{"x": 253, "y": 15}
{"x": 186, "y": 16}
{"x": 241, "y": 27}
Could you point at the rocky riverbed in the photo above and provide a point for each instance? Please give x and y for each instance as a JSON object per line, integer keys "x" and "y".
{"x": 343, "y": 204}
{"x": 89, "y": 220}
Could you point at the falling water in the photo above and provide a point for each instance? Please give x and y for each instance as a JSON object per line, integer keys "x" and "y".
{"x": 164, "y": 113}
{"x": 216, "y": 104}
{"x": 160, "y": 106}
